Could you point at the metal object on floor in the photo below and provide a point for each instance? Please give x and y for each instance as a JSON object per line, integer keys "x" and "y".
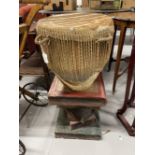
{"x": 32, "y": 92}
{"x": 22, "y": 148}
{"x": 129, "y": 99}
{"x": 35, "y": 94}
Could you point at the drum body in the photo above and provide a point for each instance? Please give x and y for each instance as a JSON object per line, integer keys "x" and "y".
{"x": 77, "y": 46}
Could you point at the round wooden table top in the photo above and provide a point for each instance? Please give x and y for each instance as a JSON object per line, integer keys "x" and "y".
{"x": 126, "y": 16}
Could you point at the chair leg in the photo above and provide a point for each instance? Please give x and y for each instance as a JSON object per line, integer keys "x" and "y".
{"x": 47, "y": 81}
{"x": 112, "y": 51}
{"x": 133, "y": 125}
{"x": 119, "y": 54}
{"x": 132, "y": 98}
{"x": 129, "y": 80}
{"x": 110, "y": 62}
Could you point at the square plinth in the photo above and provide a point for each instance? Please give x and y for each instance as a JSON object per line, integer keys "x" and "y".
{"x": 89, "y": 132}
{"x": 94, "y": 97}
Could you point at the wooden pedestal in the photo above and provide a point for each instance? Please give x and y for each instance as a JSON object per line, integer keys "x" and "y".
{"x": 74, "y": 108}
{"x": 94, "y": 97}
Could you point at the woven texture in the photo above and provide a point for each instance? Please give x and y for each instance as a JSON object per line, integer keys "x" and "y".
{"x": 77, "y": 45}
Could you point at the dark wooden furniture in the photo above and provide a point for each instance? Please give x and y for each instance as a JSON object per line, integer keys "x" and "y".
{"x": 122, "y": 21}
{"x": 129, "y": 97}
{"x": 24, "y": 28}
{"x": 78, "y": 116}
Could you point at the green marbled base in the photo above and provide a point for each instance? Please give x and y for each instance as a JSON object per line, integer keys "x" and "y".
{"x": 64, "y": 130}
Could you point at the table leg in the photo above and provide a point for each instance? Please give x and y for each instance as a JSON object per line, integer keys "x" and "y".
{"x": 132, "y": 98}
{"x": 112, "y": 50}
{"x": 129, "y": 81}
{"x": 128, "y": 102}
{"x": 119, "y": 54}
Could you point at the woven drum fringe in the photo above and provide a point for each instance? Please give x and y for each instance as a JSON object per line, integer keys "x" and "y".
{"x": 76, "y": 56}
{"x": 76, "y": 35}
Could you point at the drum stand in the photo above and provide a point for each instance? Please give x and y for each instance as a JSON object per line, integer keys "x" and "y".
{"x": 78, "y": 115}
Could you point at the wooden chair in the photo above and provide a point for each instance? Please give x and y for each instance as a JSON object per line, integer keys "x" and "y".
{"x": 24, "y": 28}
{"x": 34, "y": 65}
